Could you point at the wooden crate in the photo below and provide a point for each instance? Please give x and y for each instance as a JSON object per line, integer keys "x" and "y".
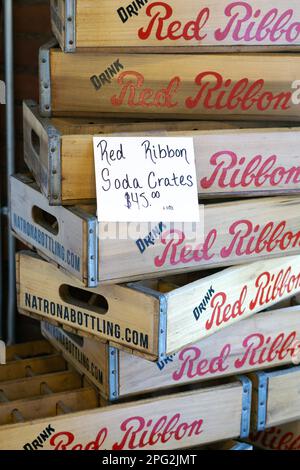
{"x": 175, "y": 25}
{"x": 240, "y": 348}
{"x": 284, "y": 437}
{"x": 234, "y": 233}
{"x": 276, "y": 396}
{"x": 66, "y": 236}
{"x": 60, "y": 155}
{"x": 158, "y": 318}
{"x": 164, "y": 86}
{"x": 47, "y": 406}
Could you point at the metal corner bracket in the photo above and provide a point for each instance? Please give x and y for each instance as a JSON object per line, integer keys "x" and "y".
{"x": 162, "y": 323}
{"x": 162, "y": 327}
{"x": 242, "y": 446}
{"x": 70, "y": 26}
{"x": 113, "y": 373}
{"x": 92, "y": 225}
{"x": 246, "y": 406}
{"x": 54, "y": 159}
{"x": 45, "y": 79}
{"x": 262, "y": 396}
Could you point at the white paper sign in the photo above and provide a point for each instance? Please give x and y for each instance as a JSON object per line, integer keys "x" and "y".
{"x": 145, "y": 179}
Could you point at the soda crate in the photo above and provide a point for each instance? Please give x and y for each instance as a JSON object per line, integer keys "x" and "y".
{"x": 154, "y": 319}
{"x": 47, "y": 406}
{"x": 243, "y": 159}
{"x": 143, "y": 25}
{"x": 169, "y": 86}
{"x": 228, "y": 234}
{"x": 240, "y": 348}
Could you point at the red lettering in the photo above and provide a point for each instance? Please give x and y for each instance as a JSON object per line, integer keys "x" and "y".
{"x": 223, "y": 312}
{"x": 65, "y": 441}
{"x": 271, "y": 290}
{"x": 192, "y": 365}
{"x": 161, "y": 29}
{"x": 248, "y": 25}
{"x": 139, "y": 433}
{"x": 231, "y": 171}
{"x": 134, "y": 95}
{"x": 261, "y": 350}
{"x": 174, "y": 253}
{"x": 216, "y": 93}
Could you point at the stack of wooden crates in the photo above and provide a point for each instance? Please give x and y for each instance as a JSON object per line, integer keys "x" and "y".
{"x": 187, "y": 344}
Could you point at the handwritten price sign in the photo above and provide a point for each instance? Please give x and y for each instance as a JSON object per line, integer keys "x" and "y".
{"x": 146, "y": 179}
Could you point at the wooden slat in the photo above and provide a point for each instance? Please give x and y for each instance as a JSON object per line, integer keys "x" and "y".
{"x": 240, "y": 348}
{"x": 40, "y": 365}
{"x": 88, "y": 356}
{"x": 37, "y": 145}
{"x": 46, "y": 406}
{"x": 178, "y": 86}
{"x": 238, "y": 293}
{"x": 232, "y": 235}
{"x": 210, "y": 414}
{"x": 27, "y": 350}
{"x": 31, "y": 386}
{"x": 58, "y": 20}
{"x": 176, "y": 26}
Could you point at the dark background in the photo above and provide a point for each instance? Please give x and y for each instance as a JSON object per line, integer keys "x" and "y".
{"x": 31, "y": 30}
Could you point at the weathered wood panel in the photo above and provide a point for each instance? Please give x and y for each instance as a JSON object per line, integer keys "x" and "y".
{"x": 265, "y": 340}
{"x": 254, "y": 87}
{"x": 197, "y": 417}
{"x": 152, "y": 322}
{"x": 175, "y": 25}
{"x": 231, "y": 159}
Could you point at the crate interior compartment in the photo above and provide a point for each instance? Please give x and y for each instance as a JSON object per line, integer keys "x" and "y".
{"x": 167, "y": 284}
{"x": 36, "y": 382}
{"x": 176, "y": 26}
{"x": 31, "y": 397}
{"x": 29, "y": 350}
{"x": 61, "y": 75}
{"x": 154, "y": 319}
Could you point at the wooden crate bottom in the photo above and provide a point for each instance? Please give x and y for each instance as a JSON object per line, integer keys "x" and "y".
{"x": 45, "y": 405}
